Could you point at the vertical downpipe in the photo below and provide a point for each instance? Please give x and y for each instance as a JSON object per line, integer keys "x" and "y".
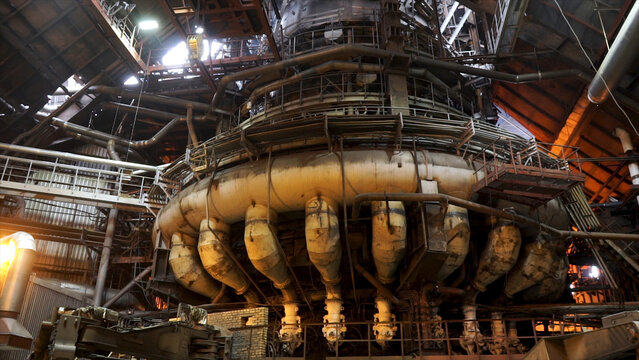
{"x": 104, "y": 258}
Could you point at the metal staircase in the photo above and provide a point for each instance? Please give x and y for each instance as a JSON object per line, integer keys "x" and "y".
{"x": 585, "y": 219}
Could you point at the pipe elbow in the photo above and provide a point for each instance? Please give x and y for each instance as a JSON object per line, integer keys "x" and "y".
{"x": 22, "y": 240}
{"x": 624, "y": 138}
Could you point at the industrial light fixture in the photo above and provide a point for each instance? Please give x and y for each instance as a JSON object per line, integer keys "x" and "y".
{"x": 148, "y": 25}
{"x": 199, "y": 30}
{"x": 7, "y": 252}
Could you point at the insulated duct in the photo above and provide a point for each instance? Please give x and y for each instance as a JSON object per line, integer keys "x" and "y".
{"x": 389, "y": 246}
{"x": 622, "y": 54}
{"x": 552, "y": 286}
{"x": 457, "y": 231}
{"x": 295, "y": 178}
{"x": 18, "y": 252}
{"x": 188, "y": 269}
{"x": 325, "y": 252}
{"x": 213, "y": 233}
{"x": 266, "y": 256}
{"x": 499, "y": 255}
{"x": 533, "y": 265}
{"x": 626, "y": 144}
{"x": 152, "y": 98}
{"x": 389, "y": 238}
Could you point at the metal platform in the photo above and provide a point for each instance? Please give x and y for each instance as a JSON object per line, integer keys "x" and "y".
{"x": 532, "y": 176}
{"x": 82, "y": 183}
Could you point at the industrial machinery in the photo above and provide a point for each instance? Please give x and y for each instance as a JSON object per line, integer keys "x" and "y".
{"x": 359, "y": 115}
{"x": 97, "y": 332}
{"x": 355, "y": 183}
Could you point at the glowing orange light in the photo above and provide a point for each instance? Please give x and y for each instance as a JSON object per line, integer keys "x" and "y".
{"x": 7, "y": 252}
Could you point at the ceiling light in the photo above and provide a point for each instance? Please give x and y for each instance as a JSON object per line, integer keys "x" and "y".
{"x": 148, "y": 25}
{"x": 199, "y": 30}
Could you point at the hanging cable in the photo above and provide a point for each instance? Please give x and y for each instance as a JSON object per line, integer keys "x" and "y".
{"x": 137, "y": 108}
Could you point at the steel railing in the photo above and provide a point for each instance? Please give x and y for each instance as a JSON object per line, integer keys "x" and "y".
{"x": 80, "y": 183}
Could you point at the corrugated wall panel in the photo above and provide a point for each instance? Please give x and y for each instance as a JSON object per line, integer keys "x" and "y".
{"x": 63, "y": 261}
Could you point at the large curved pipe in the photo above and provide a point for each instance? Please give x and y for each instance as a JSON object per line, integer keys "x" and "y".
{"x": 188, "y": 269}
{"x": 137, "y": 144}
{"x": 266, "y": 256}
{"x": 337, "y": 52}
{"x": 325, "y": 252}
{"x": 498, "y": 75}
{"x": 319, "y": 69}
{"x": 152, "y": 98}
{"x": 132, "y": 109}
{"x": 622, "y": 54}
{"x": 295, "y": 178}
{"x": 218, "y": 263}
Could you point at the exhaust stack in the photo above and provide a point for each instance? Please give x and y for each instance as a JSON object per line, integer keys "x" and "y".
{"x": 15, "y": 269}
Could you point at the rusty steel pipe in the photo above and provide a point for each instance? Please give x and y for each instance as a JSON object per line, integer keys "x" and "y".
{"x": 132, "y": 109}
{"x": 498, "y": 75}
{"x": 337, "y": 52}
{"x": 76, "y": 157}
{"x": 146, "y": 272}
{"x": 446, "y": 199}
{"x": 389, "y": 238}
{"x": 72, "y": 129}
{"x": 383, "y": 290}
{"x": 298, "y": 177}
{"x": 319, "y": 69}
{"x": 156, "y": 99}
